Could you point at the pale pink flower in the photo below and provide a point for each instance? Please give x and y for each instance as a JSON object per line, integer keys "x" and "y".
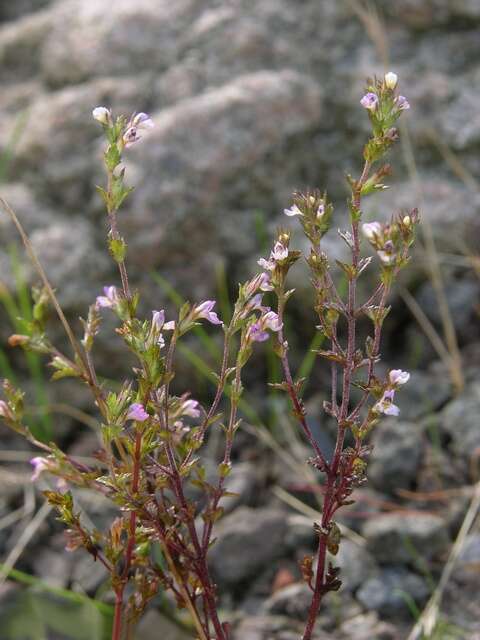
{"x": 137, "y": 412}
{"x": 369, "y": 101}
{"x": 39, "y": 465}
{"x": 109, "y": 299}
{"x": 279, "y": 252}
{"x": 204, "y": 310}
{"x": 398, "y": 377}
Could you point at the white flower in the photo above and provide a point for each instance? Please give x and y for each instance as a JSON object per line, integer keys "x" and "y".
{"x": 268, "y": 265}
{"x": 279, "y": 252}
{"x": 293, "y": 211}
{"x": 385, "y": 404}
{"x": 143, "y": 121}
{"x": 372, "y": 230}
{"x": 391, "y": 80}
{"x": 102, "y": 115}
{"x": 398, "y": 377}
{"x": 191, "y": 408}
{"x": 387, "y": 258}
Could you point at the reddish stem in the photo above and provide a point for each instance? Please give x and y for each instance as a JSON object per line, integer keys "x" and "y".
{"x": 117, "y": 621}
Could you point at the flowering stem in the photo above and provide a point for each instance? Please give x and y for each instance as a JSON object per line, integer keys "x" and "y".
{"x": 298, "y": 407}
{"x": 117, "y": 627}
{"x": 330, "y": 503}
{"x": 112, "y": 218}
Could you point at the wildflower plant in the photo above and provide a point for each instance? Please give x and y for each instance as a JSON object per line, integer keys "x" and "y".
{"x": 151, "y": 438}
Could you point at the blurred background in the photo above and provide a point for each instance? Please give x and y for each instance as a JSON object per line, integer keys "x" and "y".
{"x": 251, "y": 100}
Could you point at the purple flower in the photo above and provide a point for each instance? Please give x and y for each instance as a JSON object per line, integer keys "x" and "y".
{"x": 256, "y": 333}
{"x": 39, "y": 464}
{"x": 191, "y": 408}
{"x": 271, "y": 321}
{"x": 293, "y": 211}
{"x": 204, "y": 310}
{"x": 158, "y": 319}
{"x": 255, "y": 302}
{"x": 369, "y": 101}
{"x": 385, "y": 404}
{"x": 266, "y": 284}
{"x": 320, "y": 211}
{"x": 402, "y": 103}
{"x": 398, "y": 377}
{"x": 137, "y": 412}
{"x": 110, "y": 299}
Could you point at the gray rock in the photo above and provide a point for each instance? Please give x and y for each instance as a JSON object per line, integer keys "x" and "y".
{"x": 367, "y": 626}
{"x": 273, "y": 627}
{"x": 389, "y": 592}
{"x": 356, "y": 565}
{"x": 468, "y": 563}
{"x": 20, "y": 43}
{"x": 459, "y": 421}
{"x": 66, "y": 249}
{"x": 461, "y": 295}
{"x": 201, "y": 145}
{"x": 241, "y": 481}
{"x": 13, "y": 10}
{"x": 154, "y": 624}
{"x": 402, "y": 537}
{"x": 424, "y": 394}
{"x": 396, "y": 456}
{"x": 300, "y": 533}
{"x": 292, "y": 601}
{"x": 247, "y": 541}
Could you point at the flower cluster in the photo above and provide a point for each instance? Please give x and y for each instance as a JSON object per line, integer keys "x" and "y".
{"x": 385, "y": 405}
{"x": 392, "y": 241}
{"x": 150, "y": 462}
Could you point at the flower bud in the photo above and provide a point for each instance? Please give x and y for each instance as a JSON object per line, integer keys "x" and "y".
{"x": 391, "y": 80}
{"x": 102, "y": 115}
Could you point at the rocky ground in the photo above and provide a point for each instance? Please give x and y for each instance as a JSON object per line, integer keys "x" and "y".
{"x": 251, "y": 100}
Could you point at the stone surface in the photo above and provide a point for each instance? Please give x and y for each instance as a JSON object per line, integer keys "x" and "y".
{"x": 292, "y": 601}
{"x": 154, "y": 624}
{"x": 389, "y": 591}
{"x": 402, "y": 537}
{"x": 247, "y": 541}
{"x": 396, "y": 456}
{"x": 272, "y": 627}
{"x": 368, "y": 627}
{"x": 459, "y": 421}
{"x": 356, "y": 565}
